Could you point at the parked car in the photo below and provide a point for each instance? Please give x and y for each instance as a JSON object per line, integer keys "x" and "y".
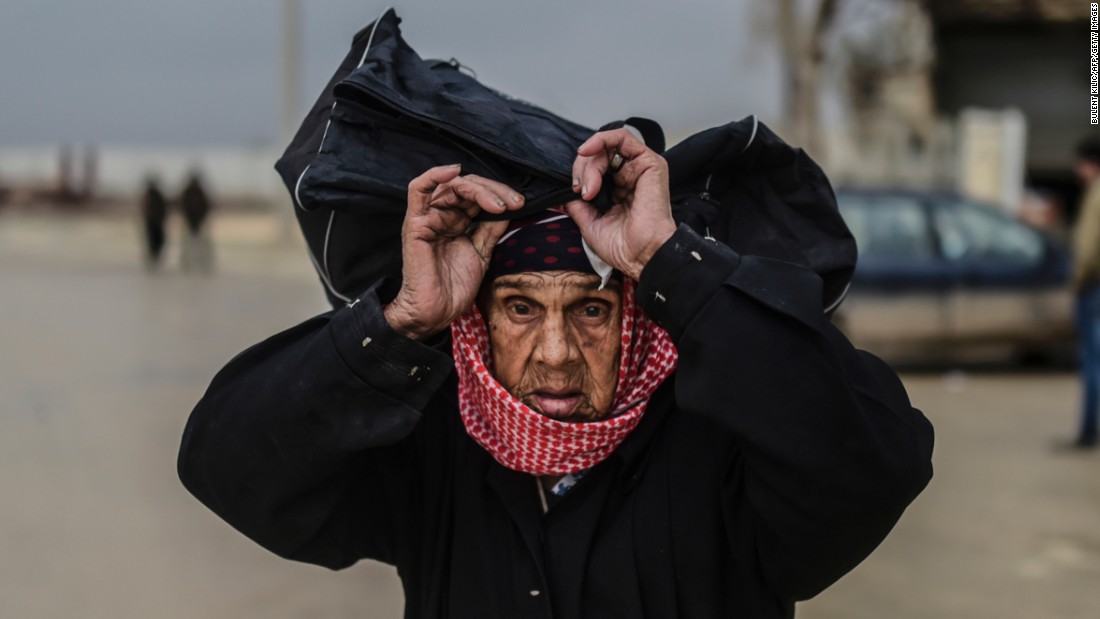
{"x": 943, "y": 278}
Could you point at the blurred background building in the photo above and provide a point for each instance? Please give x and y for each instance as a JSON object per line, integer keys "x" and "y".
{"x": 1023, "y": 55}
{"x": 986, "y": 97}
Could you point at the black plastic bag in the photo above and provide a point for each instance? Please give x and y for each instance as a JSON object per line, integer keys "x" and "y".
{"x": 387, "y": 115}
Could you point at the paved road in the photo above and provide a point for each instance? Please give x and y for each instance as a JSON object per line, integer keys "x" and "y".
{"x": 100, "y": 363}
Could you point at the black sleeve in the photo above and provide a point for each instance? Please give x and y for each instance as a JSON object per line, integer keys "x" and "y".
{"x": 830, "y": 450}
{"x": 304, "y": 442}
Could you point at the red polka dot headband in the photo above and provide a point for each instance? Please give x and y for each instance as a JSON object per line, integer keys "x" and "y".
{"x": 550, "y": 242}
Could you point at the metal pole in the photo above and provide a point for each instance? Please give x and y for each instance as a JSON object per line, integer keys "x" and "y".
{"x": 290, "y": 99}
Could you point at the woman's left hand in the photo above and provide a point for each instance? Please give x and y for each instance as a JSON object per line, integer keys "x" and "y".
{"x": 640, "y": 219}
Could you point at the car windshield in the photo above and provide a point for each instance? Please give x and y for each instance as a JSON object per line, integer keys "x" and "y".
{"x": 888, "y": 228}
{"x": 970, "y": 232}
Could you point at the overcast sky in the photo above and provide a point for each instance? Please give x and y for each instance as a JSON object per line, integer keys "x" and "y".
{"x": 200, "y": 72}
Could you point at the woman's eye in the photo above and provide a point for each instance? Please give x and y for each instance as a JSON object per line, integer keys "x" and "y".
{"x": 593, "y": 311}
{"x": 521, "y": 309}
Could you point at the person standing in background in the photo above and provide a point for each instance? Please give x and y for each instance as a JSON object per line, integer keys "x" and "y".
{"x": 1085, "y": 279}
{"x": 154, "y": 211}
{"x": 197, "y": 248}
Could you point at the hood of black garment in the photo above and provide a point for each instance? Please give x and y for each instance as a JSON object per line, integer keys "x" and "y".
{"x": 741, "y": 184}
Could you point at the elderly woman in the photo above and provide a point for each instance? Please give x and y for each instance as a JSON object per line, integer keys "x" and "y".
{"x": 616, "y": 426}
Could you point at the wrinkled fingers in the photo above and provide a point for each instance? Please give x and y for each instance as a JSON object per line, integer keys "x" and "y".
{"x": 594, "y": 159}
{"x": 473, "y": 193}
{"x": 424, "y": 186}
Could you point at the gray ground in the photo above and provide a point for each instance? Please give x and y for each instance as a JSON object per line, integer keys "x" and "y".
{"x": 100, "y": 363}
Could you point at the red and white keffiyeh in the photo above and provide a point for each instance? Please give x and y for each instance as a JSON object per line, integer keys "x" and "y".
{"x": 527, "y": 441}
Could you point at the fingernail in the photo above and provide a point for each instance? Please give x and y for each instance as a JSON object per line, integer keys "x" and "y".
{"x": 517, "y": 198}
{"x": 500, "y": 203}
{"x": 584, "y": 190}
{"x": 576, "y": 181}
{"x": 455, "y": 165}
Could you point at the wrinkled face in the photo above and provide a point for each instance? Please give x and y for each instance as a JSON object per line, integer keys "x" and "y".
{"x": 555, "y": 341}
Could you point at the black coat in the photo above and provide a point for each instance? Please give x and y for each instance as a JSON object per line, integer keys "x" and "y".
{"x": 773, "y": 461}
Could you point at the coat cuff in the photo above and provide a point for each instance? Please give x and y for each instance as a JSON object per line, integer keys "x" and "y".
{"x": 681, "y": 277}
{"x": 688, "y": 270}
{"x": 404, "y": 369}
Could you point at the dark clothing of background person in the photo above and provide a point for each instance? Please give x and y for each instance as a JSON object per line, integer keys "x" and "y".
{"x": 197, "y": 250}
{"x": 195, "y": 204}
{"x": 773, "y": 461}
{"x": 1085, "y": 282}
{"x": 154, "y": 212}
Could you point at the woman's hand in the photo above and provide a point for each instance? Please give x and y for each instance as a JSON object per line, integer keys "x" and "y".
{"x": 445, "y": 252}
{"x": 640, "y": 220}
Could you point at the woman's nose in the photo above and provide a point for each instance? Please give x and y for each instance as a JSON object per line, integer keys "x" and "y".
{"x": 555, "y": 347}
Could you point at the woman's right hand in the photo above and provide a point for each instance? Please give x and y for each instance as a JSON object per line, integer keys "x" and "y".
{"x": 446, "y": 253}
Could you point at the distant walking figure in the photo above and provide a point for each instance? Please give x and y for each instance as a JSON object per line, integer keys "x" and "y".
{"x": 154, "y": 210}
{"x": 197, "y": 248}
